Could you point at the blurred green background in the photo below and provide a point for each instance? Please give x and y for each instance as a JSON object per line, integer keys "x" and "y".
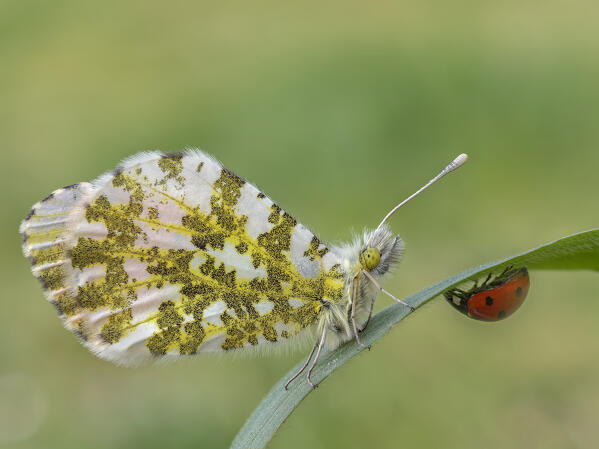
{"x": 337, "y": 110}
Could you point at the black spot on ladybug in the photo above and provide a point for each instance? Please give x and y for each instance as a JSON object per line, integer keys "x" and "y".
{"x": 519, "y": 292}
{"x": 489, "y": 301}
{"x": 501, "y": 314}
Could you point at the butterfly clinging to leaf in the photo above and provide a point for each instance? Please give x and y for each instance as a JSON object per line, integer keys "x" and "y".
{"x": 172, "y": 254}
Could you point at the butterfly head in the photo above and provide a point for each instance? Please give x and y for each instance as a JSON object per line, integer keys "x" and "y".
{"x": 370, "y": 258}
{"x": 380, "y": 251}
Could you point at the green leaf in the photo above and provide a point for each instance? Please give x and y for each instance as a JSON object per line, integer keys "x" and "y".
{"x": 576, "y": 252}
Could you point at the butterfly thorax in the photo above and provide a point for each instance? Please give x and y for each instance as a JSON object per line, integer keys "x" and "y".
{"x": 375, "y": 251}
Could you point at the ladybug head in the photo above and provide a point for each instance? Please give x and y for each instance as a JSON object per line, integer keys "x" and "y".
{"x": 458, "y": 299}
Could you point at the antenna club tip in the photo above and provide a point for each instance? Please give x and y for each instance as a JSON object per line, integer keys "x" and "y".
{"x": 461, "y": 159}
{"x": 458, "y": 162}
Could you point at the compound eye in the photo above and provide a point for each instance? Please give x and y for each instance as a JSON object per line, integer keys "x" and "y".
{"x": 370, "y": 258}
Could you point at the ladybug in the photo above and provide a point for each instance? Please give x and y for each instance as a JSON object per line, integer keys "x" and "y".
{"x": 494, "y": 299}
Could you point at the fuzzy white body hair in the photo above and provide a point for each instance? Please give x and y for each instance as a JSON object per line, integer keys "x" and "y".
{"x": 337, "y": 317}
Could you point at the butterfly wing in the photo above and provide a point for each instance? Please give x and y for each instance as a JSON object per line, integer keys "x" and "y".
{"x": 175, "y": 255}
{"x": 45, "y": 236}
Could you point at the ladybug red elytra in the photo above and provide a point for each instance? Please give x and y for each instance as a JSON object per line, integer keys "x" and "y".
{"x": 492, "y": 300}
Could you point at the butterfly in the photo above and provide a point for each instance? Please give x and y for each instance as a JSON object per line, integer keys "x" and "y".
{"x": 171, "y": 255}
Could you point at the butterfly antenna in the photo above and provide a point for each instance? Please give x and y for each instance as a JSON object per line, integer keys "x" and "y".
{"x": 456, "y": 163}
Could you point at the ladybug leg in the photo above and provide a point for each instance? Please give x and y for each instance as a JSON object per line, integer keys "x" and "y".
{"x": 506, "y": 271}
{"x": 377, "y": 285}
{"x": 455, "y": 296}
{"x": 484, "y": 284}
{"x": 455, "y": 292}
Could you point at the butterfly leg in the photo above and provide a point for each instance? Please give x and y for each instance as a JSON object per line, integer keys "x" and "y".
{"x": 355, "y": 290}
{"x": 377, "y": 285}
{"x": 303, "y": 367}
{"x": 369, "y": 315}
{"x": 320, "y": 345}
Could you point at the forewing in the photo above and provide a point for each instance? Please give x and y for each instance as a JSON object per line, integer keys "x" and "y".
{"x": 175, "y": 255}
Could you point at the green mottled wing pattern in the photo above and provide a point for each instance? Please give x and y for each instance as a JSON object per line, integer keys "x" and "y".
{"x": 173, "y": 255}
